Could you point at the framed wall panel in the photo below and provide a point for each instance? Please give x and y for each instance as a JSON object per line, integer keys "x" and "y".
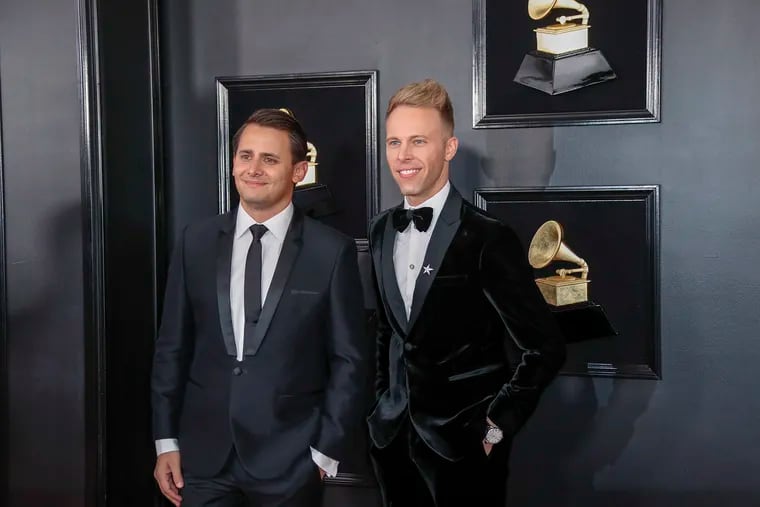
{"x": 616, "y": 231}
{"x": 614, "y": 78}
{"x": 338, "y": 113}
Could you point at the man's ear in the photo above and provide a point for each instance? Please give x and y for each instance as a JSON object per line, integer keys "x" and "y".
{"x": 452, "y": 144}
{"x": 299, "y": 171}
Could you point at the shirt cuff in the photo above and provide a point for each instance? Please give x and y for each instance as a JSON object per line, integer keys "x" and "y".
{"x": 329, "y": 465}
{"x": 166, "y": 445}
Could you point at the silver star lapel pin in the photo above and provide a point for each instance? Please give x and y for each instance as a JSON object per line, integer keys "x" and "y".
{"x": 427, "y": 269}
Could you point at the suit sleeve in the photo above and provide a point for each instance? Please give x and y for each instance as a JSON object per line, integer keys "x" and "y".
{"x": 509, "y": 285}
{"x": 347, "y": 350}
{"x": 173, "y": 349}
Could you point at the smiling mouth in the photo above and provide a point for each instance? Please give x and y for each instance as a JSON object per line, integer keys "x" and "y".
{"x": 408, "y": 173}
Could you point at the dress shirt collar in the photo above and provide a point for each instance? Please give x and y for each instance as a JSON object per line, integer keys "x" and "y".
{"x": 277, "y": 225}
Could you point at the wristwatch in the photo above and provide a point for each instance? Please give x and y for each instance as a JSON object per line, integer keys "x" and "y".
{"x": 493, "y": 435}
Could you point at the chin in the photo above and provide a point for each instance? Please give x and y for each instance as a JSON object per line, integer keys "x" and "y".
{"x": 407, "y": 188}
{"x": 253, "y": 202}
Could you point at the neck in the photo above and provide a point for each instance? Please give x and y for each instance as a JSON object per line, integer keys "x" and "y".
{"x": 262, "y": 215}
{"x": 416, "y": 200}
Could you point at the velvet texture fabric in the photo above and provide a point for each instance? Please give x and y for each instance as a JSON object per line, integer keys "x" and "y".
{"x": 480, "y": 340}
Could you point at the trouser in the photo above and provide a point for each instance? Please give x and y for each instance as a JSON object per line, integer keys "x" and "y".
{"x": 234, "y": 487}
{"x": 411, "y": 474}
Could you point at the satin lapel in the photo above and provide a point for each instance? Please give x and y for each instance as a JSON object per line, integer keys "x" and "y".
{"x": 394, "y": 301}
{"x": 223, "y": 268}
{"x": 445, "y": 229}
{"x": 290, "y": 249}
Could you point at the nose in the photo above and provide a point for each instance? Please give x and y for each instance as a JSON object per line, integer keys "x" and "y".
{"x": 404, "y": 152}
{"x": 253, "y": 168}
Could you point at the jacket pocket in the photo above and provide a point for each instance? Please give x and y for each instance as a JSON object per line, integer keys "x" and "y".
{"x": 476, "y": 372}
{"x": 299, "y": 405}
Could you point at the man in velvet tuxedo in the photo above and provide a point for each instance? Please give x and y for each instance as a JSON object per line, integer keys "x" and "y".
{"x": 261, "y": 354}
{"x": 466, "y": 343}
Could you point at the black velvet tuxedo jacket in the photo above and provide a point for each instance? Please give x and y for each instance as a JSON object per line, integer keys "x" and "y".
{"x": 300, "y": 383}
{"x": 480, "y": 340}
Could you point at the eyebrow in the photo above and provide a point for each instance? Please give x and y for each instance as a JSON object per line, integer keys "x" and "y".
{"x": 413, "y": 136}
{"x": 263, "y": 154}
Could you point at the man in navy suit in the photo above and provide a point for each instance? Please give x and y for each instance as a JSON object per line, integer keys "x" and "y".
{"x": 261, "y": 356}
{"x": 465, "y": 343}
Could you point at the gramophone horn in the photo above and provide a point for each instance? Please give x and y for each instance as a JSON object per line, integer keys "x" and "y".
{"x": 547, "y": 246}
{"x": 538, "y": 9}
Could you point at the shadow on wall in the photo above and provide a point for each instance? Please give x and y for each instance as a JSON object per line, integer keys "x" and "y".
{"x": 44, "y": 323}
{"x": 513, "y": 158}
{"x": 582, "y": 426}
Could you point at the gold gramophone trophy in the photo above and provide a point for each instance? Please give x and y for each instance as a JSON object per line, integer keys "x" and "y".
{"x": 567, "y": 294}
{"x": 311, "y": 196}
{"x": 311, "y": 171}
{"x": 564, "y": 288}
{"x": 562, "y": 60}
{"x": 311, "y": 157}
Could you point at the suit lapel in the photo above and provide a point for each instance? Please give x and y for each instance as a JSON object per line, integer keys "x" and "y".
{"x": 223, "y": 266}
{"x": 290, "y": 249}
{"x": 445, "y": 229}
{"x": 383, "y": 258}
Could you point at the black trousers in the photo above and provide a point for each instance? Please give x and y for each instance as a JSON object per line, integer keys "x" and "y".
{"x": 411, "y": 474}
{"x": 234, "y": 487}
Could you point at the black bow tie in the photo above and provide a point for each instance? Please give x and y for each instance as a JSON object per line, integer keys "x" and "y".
{"x": 420, "y": 216}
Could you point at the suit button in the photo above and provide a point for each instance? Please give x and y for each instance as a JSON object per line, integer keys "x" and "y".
{"x": 237, "y": 371}
{"x": 408, "y": 347}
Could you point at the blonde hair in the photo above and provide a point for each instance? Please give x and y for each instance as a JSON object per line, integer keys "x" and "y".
{"x": 426, "y": 93}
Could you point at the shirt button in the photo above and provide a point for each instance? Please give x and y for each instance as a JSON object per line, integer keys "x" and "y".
{"x": 411, "y": 266}
{"x": 237, "y": 371}
{"x": 408, "y": 346}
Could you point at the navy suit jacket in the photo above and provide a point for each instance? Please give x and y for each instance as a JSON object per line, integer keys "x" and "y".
{"x": 300, "y": 383}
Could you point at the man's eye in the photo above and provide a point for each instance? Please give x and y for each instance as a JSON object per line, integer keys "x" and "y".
{"x": 419, "y": 142}
{"x": 393, "y": 143}
{"x": 270, "y": 160}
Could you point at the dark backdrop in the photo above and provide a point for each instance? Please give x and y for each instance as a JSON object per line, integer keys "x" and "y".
{"x": 688, "y": 439}
{"x": 43, "y": 319}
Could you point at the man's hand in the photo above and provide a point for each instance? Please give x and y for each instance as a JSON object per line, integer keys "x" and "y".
{"x": 322, "y": 474}
{"x": 168, "y": 475}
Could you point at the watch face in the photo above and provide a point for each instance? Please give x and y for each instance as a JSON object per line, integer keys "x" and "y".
{"x": 493, "y": 436}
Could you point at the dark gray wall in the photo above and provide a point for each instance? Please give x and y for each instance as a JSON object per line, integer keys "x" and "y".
{"x": 44, "y": 273}
{"x": 688, "y": 439}
{"x": 81, "y": 261}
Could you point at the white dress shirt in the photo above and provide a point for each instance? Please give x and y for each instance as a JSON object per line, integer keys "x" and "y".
{"x": 410, "y": 247}
{"x": 271, "y": 245}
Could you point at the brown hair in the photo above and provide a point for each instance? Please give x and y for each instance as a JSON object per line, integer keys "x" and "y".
{"x": 426, "y": 93}
{"x": 279, "y": 120}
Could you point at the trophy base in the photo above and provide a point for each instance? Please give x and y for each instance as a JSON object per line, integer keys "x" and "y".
{"x": 315, "y": 200}
{"x": 555, "y": 74}
{"x": 583, "y": 321}
{"x": 563, "y": 290}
